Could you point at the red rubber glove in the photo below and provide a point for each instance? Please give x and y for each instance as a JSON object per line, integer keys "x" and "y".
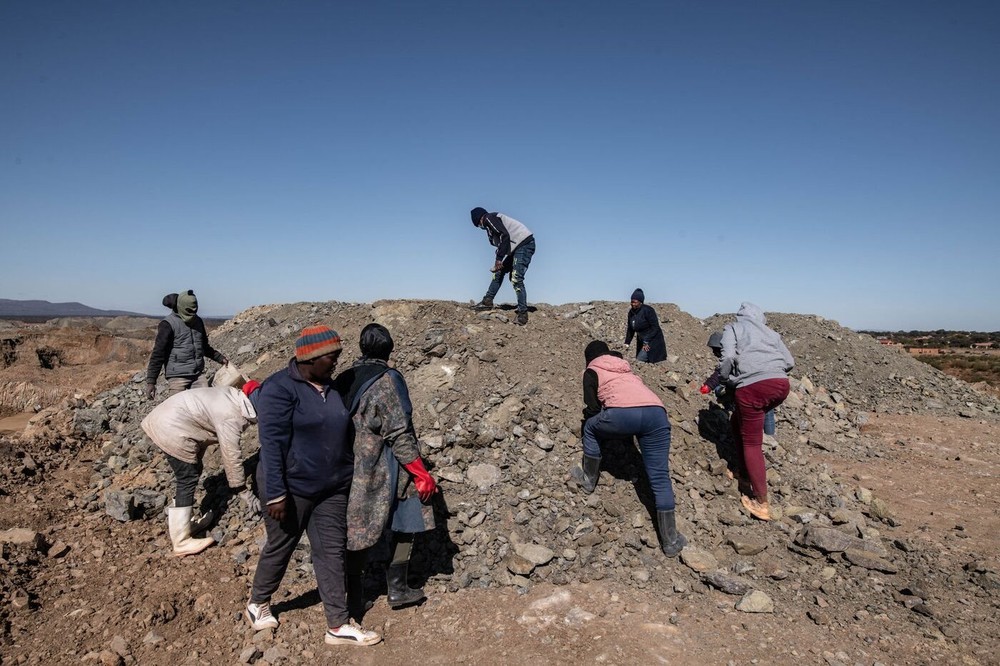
{"x": 704, "y": 389}
{"x": 424, "y": 482}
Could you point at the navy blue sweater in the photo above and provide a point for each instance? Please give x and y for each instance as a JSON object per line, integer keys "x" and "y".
{"x": 305, "y": 448}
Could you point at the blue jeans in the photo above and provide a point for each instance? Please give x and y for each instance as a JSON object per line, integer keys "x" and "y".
{"x": 522, "y": 258}
{"x": 769, "y": 423}
{"x": 652, "y": 427}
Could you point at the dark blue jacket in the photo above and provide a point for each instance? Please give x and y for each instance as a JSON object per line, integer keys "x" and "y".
{"x": 305, "y": 447}
{"x": 646, "y": 325}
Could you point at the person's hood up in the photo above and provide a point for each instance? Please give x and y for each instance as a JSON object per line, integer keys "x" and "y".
{"x": 751, "y": 312}
{"x": 611, "y": 363}
{"x": 187, "y": 306}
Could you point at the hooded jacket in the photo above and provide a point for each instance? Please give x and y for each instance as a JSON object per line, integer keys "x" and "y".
{"x": 506, "y": 234}
{"x": 185, "y": 424}
{"x": 180, "y": 349}
{"x": 618, "y": 386}
{"x": 752, "y": 352}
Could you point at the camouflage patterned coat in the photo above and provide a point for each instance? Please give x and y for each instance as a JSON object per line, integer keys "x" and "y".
{"x": 383, "y": 416}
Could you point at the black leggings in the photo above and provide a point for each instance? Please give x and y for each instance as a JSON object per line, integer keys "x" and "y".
{"x": 187, "y": 480}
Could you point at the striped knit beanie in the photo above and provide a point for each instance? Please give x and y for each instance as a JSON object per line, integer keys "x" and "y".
{"x": 316, "y": 341}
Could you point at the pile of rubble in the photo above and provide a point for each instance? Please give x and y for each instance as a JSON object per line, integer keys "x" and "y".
{"x": 498, "y": 410}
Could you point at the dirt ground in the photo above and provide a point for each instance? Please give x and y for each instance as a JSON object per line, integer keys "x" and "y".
{"x": 105, "y": 592}
{"x": 118, "y": 586}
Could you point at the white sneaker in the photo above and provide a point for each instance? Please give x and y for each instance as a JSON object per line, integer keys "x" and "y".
{"x": 260, "y": 616}
{"x": 351, "y": 634}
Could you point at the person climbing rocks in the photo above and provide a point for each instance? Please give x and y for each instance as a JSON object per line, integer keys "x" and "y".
{"x": 619, "y": 404}
{"x": 755, "y": 360}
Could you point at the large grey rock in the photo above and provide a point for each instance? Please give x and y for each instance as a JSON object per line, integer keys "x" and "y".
{"x": 726, "y": 582}
{"x": 90, "y": 422}
{"x": 755, "y": 602}
{"x": 698, "y": 559}
{"x": 120, "y": 505}
{"x": 483, "y": 476}
{"x": 830, "y": 540}
{"x": 21, "y": 536}
{"x": 537, "y": 555}
{"x": 868, "y": 560}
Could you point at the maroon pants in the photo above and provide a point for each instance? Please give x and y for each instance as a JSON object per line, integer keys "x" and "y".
{"x": 752, "y": 402}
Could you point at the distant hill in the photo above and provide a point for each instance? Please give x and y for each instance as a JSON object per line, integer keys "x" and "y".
{"x": 18, "y": 309}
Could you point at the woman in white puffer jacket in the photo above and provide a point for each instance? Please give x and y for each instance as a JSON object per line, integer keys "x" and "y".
{"x": 183, "y": 426}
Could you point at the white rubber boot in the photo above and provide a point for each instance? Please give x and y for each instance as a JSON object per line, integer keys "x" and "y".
{"x": 179, "y": 526}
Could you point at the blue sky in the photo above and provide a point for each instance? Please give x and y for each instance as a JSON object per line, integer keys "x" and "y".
{"x": 831, "y": 158}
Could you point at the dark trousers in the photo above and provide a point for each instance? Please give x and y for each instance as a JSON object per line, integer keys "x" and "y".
{"x": 187, "y": 475}
{"x": 752, "y": 402}
{"x": 325, "y": 521}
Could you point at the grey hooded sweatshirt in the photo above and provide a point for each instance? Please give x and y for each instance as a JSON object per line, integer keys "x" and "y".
{"x": 752, "y": 352}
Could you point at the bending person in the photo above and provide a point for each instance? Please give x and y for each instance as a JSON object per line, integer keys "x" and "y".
{"x": 618, "y": 404}
{"x": 183, "y": 426}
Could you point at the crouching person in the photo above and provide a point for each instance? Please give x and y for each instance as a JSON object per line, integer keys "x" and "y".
{"x": 391, "y": 487}
{"x": 183, "y": 426}
{"x": 618, "y": 404}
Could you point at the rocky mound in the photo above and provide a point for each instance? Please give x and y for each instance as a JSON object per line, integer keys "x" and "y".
{"x": 498, "y": 411}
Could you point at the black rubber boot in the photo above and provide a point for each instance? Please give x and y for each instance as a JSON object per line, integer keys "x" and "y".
{"x": 401, "y": 594}
{"x": 587, "y": 473}
{"x": 357, "y": 605}
{"x": 485, "y": 304}
{"x": 671, "y": 541}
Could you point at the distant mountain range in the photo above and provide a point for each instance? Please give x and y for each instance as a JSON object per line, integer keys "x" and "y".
{"x": 14, "y": 309}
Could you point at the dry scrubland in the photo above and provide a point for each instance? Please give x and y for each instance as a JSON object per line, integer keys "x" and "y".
{"x": 884, "y": 475}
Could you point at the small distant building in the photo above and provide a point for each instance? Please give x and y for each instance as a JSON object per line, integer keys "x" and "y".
{"x": 982, "y": 345}
{"x": 924, "y": 351}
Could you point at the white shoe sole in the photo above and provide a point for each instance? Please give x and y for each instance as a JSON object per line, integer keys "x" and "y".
{"x": 331, "y": 639}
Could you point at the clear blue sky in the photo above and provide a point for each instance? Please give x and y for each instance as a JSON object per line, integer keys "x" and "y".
{"x": 832, "y": 158}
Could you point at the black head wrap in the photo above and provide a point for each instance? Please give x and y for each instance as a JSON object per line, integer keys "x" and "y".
{"x": 376, "y": 342}
{"x": 170, "y": 301}
{"x": 595, "y": 349}
{"x": 637, "y": 295}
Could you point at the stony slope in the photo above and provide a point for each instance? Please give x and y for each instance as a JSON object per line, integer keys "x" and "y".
{"x": 498, "y": 410}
